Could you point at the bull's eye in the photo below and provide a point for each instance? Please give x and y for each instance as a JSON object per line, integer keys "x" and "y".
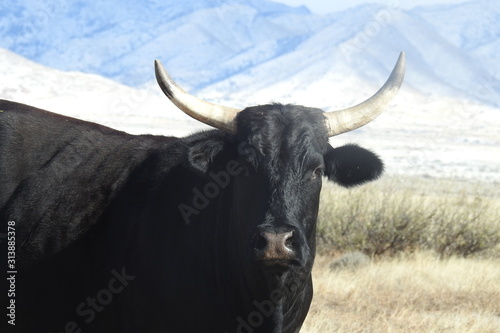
{"x": 318, "y": 173}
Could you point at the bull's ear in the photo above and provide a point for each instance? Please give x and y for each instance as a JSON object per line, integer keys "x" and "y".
{"x": 201, "y": 153}
{"x": 351, "y": 165}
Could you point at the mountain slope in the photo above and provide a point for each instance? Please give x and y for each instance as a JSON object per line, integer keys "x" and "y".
{"x": 91, "y": 97}
{"x": 120, "y": 39}
{"x": 364, "y": 43}
{"x": 452, "y": 50}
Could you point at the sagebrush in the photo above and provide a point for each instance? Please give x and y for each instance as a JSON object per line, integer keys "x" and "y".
{"x": 394, "y": 215}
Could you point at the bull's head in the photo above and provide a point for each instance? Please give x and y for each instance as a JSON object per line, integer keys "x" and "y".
{"x": 284, "y": 152}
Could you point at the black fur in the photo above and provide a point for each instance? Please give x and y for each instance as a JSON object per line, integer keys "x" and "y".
{"x": 180, "y": 217}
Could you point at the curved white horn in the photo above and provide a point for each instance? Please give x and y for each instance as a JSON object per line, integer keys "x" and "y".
{"x": 356, "y": 116}
{"x": 218, "y": 116}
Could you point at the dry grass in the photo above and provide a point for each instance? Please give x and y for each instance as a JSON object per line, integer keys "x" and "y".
{"x": 417, "y": 293}
{"x": 433, "y": 261}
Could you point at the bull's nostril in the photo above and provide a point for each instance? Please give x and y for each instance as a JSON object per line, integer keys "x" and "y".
{"x": 288, "y": 239}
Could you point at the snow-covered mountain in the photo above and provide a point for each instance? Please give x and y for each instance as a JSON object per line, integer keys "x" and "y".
{"x": 90, "y": 97}
{"x": 120, "y": 39}
{"x": 224, "y": 44}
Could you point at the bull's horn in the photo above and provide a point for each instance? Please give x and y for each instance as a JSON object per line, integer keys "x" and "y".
{"x": 351, "y": 118}
{"x": 218, "y": 116}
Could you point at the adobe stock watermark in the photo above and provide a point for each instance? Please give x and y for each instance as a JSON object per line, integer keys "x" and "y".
{"x": 11, "y": 271}
{"x": 218, "y": 181}
{"x": 372, "y": 29}
{"x": 129, "y": 102}
{"x": 39, "y": 18}
{"x": 489, "y": 89}
{"x": 89, "y": 308}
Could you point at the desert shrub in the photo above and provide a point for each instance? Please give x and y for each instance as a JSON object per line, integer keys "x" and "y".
{"x": 393, "y": 216}
{"x": 350, "y": 260}
{"x": 464, "y": 226}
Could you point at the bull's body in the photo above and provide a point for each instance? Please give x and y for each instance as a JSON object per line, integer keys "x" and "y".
{"x": 90, "y": 203}
{"x": 214, "y": 232}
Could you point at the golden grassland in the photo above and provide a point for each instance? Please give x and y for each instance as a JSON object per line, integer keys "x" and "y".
{"x": 417, "y": 293}
{"x": 431, "y": 258}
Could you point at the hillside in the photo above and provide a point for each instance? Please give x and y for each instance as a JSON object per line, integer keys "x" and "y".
{"x": 232, "y": 45}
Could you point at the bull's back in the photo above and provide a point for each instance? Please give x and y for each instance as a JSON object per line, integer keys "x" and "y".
{"x": 57, "y": 175}
{"x": 34, "y": 142}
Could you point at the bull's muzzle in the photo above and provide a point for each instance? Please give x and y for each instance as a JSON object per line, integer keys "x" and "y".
{"x": 275, "y": 247}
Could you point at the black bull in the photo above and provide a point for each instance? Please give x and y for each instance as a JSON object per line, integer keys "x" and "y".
{"x": 214, "y": 232}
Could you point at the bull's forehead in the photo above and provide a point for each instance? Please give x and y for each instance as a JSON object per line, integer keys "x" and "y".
{"x": 283, "y": 124}
{"x": 284, "y": 136}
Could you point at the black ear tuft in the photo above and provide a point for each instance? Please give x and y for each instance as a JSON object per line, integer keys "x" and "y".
{"x": 352, "y": 165}
{"x": 202, "y": 153}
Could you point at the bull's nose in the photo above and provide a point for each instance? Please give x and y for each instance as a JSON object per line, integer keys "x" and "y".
{"x": 275, "y": 246}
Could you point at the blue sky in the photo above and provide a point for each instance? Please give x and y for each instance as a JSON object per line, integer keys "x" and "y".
{"x": 327, "y": 6}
